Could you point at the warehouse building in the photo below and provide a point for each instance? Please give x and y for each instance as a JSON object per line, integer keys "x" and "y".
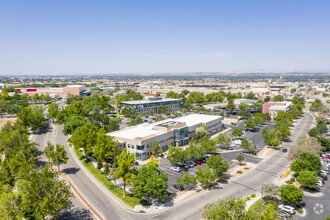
{"x": 274, "y": 107}
{"x": 55, "y": 92}
{"x": 175, "y": 132}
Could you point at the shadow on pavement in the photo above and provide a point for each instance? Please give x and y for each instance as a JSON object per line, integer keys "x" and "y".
{"x": 72, "y": 170}
{"x": 75, "y": 214}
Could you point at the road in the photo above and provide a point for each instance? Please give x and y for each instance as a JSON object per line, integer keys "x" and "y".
{"x": 109, "y": 206}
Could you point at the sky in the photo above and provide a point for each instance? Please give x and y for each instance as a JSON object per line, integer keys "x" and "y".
{"x": 163, "y": 36}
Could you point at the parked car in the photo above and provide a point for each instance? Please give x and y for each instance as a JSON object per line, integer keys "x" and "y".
{"x": 186, "y": 166}
{"x": 237, "y": 142}
{"x": 326, "y": 157}
{"x": 203, "y": 160}
{"x": 287, "y": 208}
{"x": 319, "y": 183}
{"x": 180, "y": 188}
{"x": 198, "y": 162}
{"x": 192, "y": 164}
{"x": 136, "y": 163}
{"x": 254, "y": 129}
{"x": 177, "y": 169}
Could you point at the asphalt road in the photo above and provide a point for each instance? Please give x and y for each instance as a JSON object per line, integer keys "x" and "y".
{"x": 108, "y": 205}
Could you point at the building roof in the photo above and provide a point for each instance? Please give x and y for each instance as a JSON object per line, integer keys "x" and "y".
{"x": 148, "y": 101}
{"x": 146, "y": 130}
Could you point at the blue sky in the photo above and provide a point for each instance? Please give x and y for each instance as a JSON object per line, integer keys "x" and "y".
{"x": 80, "y": 36}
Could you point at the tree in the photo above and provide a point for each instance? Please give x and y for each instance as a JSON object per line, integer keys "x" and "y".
{"x": 196, "y": 97}
{"x": 206, "y": 176}
{"x": 155, "y": 148}
{"x": 291, "y": 194}
{"x": 222, "y": 139}
{"x": 113, "y": 125}
{"x": 282, "y": 130}
{"x": 258, "y": 118}
{"x": 244, "y": 113}
{"x": 230, "y": 106}
{"x": 243, "y": 106}
{"x": 49, "y": 150}
{"x": 42, "y": 193}
{"x": 271, "y": 137}
{"x": 237, "y": 132}
{"x": 278, "y": 98}
{"x": 322, "y": 127}
{"x": 313, "y": 132}
{"x": 153, "y": 162}
{"x": 231, "y": 208}
{"x": 3, "y": 107}
{"x": 74, "y": 122}
{"x": 105, "y": 146}
{"x": 218, "y": 166}
{"x": 9, "y": 204}
{"x": 284, "y": 117}
{"x": 59, "y": 156}
{"x": 249, "y": 124}
{"x": 267, "y": 99}
{"x": 186, "y": 179}
{"x": 125, "y": 161}
{"x": 308, "y": 179}
{"x": 176, "y": 155}
{"x": 52, "y": 111}
{"x": 13, "y": 109}
{"x": 240, "y": 158}
{"x": 251, "y": 96}
{"x": 84, "y": 137}
{"x": 31, "y": 118}
{"x": 305, "y": 144}
{"x": 271, "y": 191}
{"x": 306, "y": 162}
{"x": 171, "y": 94}
{"x": 199, "y": 133}
{"x": 148, "y": 183}
{"x": 268, "y": 213}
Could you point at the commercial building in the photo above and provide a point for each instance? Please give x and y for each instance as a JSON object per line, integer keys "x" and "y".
{"x": 152, "y": 105}
{"x": 2, "y": 85}
{"x": 175, "y": 132}
{"x": 54, "y": 92}
{"x": 274, "y": 107}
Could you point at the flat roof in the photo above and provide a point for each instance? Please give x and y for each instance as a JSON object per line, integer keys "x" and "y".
{"x": 146, "y": 130}
{"x": 136, "y": 102}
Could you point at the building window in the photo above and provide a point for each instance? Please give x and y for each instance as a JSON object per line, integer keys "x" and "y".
{"x": 147, "y": 145}
{"x": 132, "y": 146}
{"x": 128, "y": 145}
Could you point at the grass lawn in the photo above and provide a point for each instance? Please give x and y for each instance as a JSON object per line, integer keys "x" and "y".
{"x": 255, "y": 207}
{"x": 128, "y": 199}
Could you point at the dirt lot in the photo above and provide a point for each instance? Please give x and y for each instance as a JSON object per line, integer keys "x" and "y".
{"x": 3, "y": 121}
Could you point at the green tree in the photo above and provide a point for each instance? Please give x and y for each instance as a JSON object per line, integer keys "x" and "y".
{"x": 155, "y": 148}
{"x": 125, "y": 161}
{"x": 291, "y": 194}
{"x": 251, "y": 96}
{"x": 176, "y": 155}
{"x": 278, "y": 98}
{"x": 148, "y": 183}
{"x": 49, "y": 150}
{"x": 74, "y": 122}
{"x": 306, "y": 162}
{"x": 249, "y": 124}
{"x": 206, "y": 176}
{"x": 84, "y": 137}
{"x": 243, "y": 106}
{"x": 105, "y": 146}
{"x": 218, "y": 166}
{"x": 196, "y": 97}
{"x": 52, "y": 111}
{"x": 268, "y": 213}
{"x": 3, "y": 107}
{"x": 237, "y": 132}
{"x": 313, "y": 132}
{"x": 171, "y": 94}
{"x": 186, "y": 179}
{"x": 113, "y": 125}
{"x": 9, "y": 204}
{"x": 308, "y": 179}
{"x": 60, "y": 156}
{"x": 153, "y": 162}
{"x": 222, "y": 139}
{"x": 282, "y": 130}
{"x": 230, "y": 106}
{"x": 305, "y": 144}
{"x": 240, "y": 158}
{"x": 199, "y": 133}
{"x": 244, "y": 113}
{"x": 230, "y": 209}
{"x": 43, "y": 194}
{"x": 271, "y": 137}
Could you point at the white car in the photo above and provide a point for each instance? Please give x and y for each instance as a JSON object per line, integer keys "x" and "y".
{"x": 177, "y": 169}
{"x": 237, "y": 142}
{"x": 287, "y": 208}
{"x": 319, "y": 183}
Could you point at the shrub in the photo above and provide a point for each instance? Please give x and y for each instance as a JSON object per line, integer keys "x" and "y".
{"x": 253, "y": 195}
{"x": 240, "y": 172}
{"x": 99, "y": 164}
{"x": 246, "y": 168}
{"x": 247, "y": 198}
{"x": 293, "y": 179}
{"x": 288, "y": 182}
{"x": 300, "y": 211}
{"x": 234, "y": 124}
{"x": 273, "y": 203}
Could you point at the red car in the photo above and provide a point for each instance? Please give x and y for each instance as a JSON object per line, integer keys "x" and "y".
{"x": 197, "y": 161}
{"x": 326, "y": 157}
